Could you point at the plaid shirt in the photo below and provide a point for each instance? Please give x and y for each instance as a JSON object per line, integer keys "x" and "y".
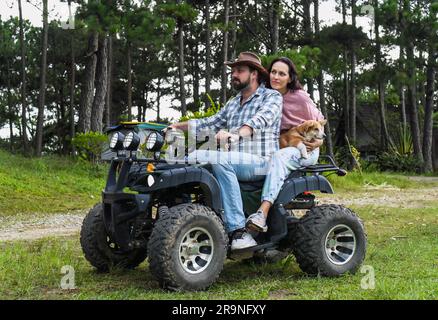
{"x": 262, "y": 112}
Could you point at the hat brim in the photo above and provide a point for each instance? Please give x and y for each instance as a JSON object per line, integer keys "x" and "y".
{"x": 256, "y": 66}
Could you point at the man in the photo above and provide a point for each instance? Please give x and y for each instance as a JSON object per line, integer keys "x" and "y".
{"x": 252, "y": 117}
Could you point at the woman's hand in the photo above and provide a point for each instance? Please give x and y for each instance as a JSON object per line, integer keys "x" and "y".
{"x": 310, "y": 146}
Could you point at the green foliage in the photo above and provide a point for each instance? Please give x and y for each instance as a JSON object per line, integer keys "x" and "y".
{"x": 306, "y": 56}
{"x": 403, "y": 142}
{"x": 183, "y": 11}
{"x": 393, "y": 161}
{"x": 347, "y": 157}
{"x": 90, "y": 145}
{"x": 212, "y": 110}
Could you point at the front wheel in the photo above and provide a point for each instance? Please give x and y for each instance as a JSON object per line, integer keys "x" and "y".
{"x": 98, "y": 248}
{"x": 329, "y": 240}
{"x": 187, "y": 248}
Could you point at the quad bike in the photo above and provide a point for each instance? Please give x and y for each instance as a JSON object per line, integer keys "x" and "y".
{"x": 172, "y": 214}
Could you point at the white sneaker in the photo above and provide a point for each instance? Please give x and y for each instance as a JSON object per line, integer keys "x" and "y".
{"x": 242, "y": 240}
{"x": 257, "y": 222}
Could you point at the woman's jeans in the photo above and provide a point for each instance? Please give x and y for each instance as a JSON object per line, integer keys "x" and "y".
{"x": 229, "y": 168}
{"x": 282, "y": 163}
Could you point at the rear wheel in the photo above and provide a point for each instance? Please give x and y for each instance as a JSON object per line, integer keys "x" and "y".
{"x": 329, "y": 240}
{"x": 100, "y": 250}
{"x": 187, "y": 248}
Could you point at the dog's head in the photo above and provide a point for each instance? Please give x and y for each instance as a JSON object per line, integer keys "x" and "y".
{"x": 312, "y": 129}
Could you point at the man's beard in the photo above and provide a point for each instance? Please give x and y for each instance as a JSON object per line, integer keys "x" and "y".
{"x": 239, "y": 86}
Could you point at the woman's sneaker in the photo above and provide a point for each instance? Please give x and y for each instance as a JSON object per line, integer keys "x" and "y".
{"x": 257, "y": 222}
{"x": 242, "y": 240}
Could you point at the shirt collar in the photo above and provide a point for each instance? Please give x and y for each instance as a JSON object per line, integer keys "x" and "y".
{"x": 261, "y": 88}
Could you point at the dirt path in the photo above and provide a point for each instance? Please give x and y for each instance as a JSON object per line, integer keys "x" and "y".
{"x": 386, "y": 197}
{"x": 22, "y": 227}
{"x": 62, "y": 224}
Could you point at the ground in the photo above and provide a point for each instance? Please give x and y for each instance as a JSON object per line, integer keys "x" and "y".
{"x": 401, "y": 220}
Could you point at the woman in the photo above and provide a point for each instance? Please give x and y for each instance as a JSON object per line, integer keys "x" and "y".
{"x": 297, "y": 108}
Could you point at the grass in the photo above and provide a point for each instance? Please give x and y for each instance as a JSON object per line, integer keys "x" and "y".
{"x": 355, "y": 181}
{"x": 402, "y": 251}
{"x": 402, "y": 245}
{"x": 49, "y": 185}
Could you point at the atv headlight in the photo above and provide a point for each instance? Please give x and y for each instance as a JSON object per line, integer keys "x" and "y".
{"x": 131, "y": 142}
{"x": 116, "y": 142}
{"x": 154, "y": 142}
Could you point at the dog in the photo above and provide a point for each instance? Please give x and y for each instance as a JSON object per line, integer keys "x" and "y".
{"x": 307, "y": 131}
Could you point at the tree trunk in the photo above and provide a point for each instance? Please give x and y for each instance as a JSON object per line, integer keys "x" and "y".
{"x": 181, "y": 68}
{"x": 196, "y": 76}
{"x": 415, "y": 127}
{"x": 42, "y": 94}
{"x": 143, "y": 117}
{"x": 307, "y": 21}
{"x": 129, "y": 82}
{"x": 10, "y": 109}
{"x": 24, "y": 139}
{"x": 402, "y": 94}
{"x": 101, "y": 86}
{"x": 273, "y": 18}
{"x": 225, "y": 52}
{"x": 109, "y": 95}
{"x": 321, "y": 88}
{"x": 346, "y": 80}
{"x": 435, "y": 149}
{"x": 87, "y": 94}
{"x": 234, "y": 31}
{"x": 386, "y": 140}
{"x": 72, "y": 91}
{"x": 353, "y": 81}
{"x": 158, "y": 99}
{"x": 207, "y": 52}
{"x": 276, "y": 26}
{"x": 428, "y": 110}
{"x": 139, "y": 106}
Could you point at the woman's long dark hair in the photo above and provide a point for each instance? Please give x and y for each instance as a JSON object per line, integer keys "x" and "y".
{"x": 293, "y": 74}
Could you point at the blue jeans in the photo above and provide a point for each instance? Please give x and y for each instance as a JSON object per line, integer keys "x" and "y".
{"x": 282, "y": 163}
{"x": 229, "y": 168}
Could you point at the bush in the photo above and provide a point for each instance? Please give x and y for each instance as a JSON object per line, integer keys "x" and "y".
{"x": 347, "y": 157}
{"x": 393, "y": 161}
{"x": 214, "y": 108}
{"x": 90, "y": 145}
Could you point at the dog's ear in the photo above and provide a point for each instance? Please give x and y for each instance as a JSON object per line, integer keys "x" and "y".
{"x": 323, "y": 122}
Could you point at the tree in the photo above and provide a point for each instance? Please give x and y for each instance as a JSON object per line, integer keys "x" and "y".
{"x": 23, "y": 85}
{"x": 101, "y": 85}
{"x": 430, "y": 85}
{"x": 87, "y": 95}
{"x": 43, "y": 73}
{"x": 181, "y": 65}
{"x": 225, "y": 52}
{"x": 386, "y": 140}
{"x": 321, "y": 87}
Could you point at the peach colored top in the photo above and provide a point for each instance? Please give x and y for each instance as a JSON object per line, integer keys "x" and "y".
{"x": 297, "y": 108}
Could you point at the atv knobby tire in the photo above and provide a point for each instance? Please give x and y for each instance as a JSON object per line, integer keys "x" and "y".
{"x": 95, "y": 245}
{"x": 165, "y": 247}
{"x": 309, "y": 240}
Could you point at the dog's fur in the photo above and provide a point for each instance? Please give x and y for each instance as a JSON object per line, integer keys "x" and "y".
{"x": 307, "y": 131}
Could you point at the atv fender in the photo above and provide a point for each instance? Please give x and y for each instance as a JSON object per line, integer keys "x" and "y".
{"x": 294, "y": 186}
{"x": 164, "y": 179}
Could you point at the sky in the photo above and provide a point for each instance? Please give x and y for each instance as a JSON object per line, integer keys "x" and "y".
{"x": 59, "y": 11}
